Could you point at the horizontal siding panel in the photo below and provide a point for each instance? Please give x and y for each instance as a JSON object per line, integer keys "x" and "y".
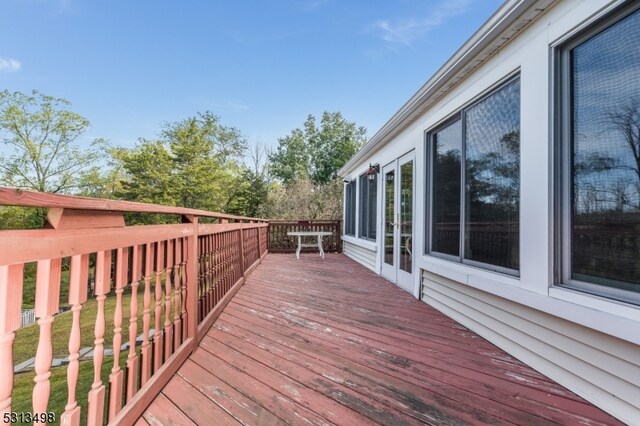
{"x": 594, "y": 373}
{"x": 548, "y": 328}
{"x": 360, "y": 255}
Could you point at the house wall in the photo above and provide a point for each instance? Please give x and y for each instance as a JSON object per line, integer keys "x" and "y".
{"x": 365, "y": 255}
{"x": 589, "y": 344}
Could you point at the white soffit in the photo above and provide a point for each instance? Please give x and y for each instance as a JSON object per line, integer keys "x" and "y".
{"x": 496, "y": 32}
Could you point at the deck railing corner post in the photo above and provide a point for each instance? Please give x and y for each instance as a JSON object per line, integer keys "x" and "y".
{"x": 192, "y": 277}
{"x": 242, "y": 247}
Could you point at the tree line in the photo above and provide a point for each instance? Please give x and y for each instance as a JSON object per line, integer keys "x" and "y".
{"x": 195, "y": 162}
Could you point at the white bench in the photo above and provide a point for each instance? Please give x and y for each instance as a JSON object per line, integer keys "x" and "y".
{"x": 318, "y": 234}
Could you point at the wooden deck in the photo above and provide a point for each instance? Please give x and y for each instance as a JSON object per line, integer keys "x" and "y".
{"x": 329, "y": 342}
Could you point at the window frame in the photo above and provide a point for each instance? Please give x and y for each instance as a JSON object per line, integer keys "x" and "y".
{"x": 460, "y": 114}
{"x": 563, "y": 152}
{"x": 430, "y": 162}
{"x": 350, "y": 202}
{"x": 364, "y": 227}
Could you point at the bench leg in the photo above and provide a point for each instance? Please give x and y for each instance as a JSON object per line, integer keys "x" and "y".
{"x": 299, "y": 247}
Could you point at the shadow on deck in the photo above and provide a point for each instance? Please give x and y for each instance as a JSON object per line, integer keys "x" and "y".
{"x": 330, "y": 342}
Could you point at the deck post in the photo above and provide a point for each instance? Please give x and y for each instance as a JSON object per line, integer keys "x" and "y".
{"x": 192, "y": 277}
{"x": 259, "y": 229}
{"x": 242, "y": 254}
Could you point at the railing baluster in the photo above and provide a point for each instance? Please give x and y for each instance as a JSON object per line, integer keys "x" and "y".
{"x": 116, "y": 378}
{"x": 168, "y": 332}
{"x": 77, "y": 296}
{"x": 157, "y": 334}
{"x": 132, "y": 358}
{"x": 95, "y": 413}
{"x": 177, "y": 294}
{"x": 11, "y": 280}
{"x": 216, "y": 260}
{"x": 47, "y": 302}
{"x": 185, "y": 274}
{"x": 145, "y": 350}
{"x": 200, "y": 278}
{"x": 208, "y": 261}
{"x": 191, "y": 278}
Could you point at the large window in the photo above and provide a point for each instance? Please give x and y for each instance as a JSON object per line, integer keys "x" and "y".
{"x": 475, "y": 183}
{"x": 368, "y": 201}
{"x": 350, "y": 209}
{"x": 599, "y": 167}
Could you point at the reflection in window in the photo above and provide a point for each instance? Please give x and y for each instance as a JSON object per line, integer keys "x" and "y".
{"x": 368, "y": 198}
{"x": 350, "y": 209}
{"x": 487, "y": 140}
{"x": 389, "y": 203}
{"x": 492, "y": 179}
{"x": 447, "y": 147}
{"x": 406, "y": 216}
{"x": 604, "y": 72}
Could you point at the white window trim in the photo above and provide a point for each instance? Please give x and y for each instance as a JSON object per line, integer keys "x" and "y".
{"x": 563, "y": 286}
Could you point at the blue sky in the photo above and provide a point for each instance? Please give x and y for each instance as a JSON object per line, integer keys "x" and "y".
{"x": 261, "y": 65}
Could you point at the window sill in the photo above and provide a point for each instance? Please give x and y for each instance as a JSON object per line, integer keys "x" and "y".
{"x": 367, "y": 244}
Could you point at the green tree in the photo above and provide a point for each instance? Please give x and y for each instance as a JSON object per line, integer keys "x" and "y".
{"x": 148, "y": 169}
{"x": 105, "y": 181}
{"x": 41, "y": 151}
{"x": 205, "y": 155}
{"x": 253, "y": 186}
{"x": 195, "y": 164}
{"x": 317, "y": 152}
{"x": 302, "y": 199}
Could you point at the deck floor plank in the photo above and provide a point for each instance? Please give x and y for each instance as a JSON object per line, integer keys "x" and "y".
{"x": 448, "y": 383}
{"x": 244, "y": 409}
{"x": 421, "y": 348}
{"x": 196, "y": 405}
{"x": 266, "y": 396}
{"x": 318, "y": 379}
{"x": 330, "y": 342}
{"x": 164, "y": 412}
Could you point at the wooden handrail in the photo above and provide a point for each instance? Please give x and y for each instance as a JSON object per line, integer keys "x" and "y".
{"x": 18, "y": 197}
{"x": 177, "y": 278}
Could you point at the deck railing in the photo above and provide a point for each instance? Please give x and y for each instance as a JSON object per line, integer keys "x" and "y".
{"x": 280, "y": 242}
{"x": 155, "y": 290}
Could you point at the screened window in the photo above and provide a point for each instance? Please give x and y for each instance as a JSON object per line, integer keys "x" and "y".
{"x": 475, "y": 183}
{"x": 350, "y": 209}
{"x": 600, "y": 162}
{"x": 447, "y": 151}
{"x": 368, "y": 199}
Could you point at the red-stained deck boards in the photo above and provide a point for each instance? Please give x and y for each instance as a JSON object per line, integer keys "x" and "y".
{"x": 330, "y": 342}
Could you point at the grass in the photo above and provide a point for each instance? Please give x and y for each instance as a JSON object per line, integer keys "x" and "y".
{"x": 23, "y": 388}
{"x": 27, "y": 337}
{"x": 26, "y": 343}
{"x": 29, "y": 286}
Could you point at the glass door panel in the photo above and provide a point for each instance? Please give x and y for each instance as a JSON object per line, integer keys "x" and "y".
{"x": 406, "y": 216}
{"x": 389, "y": 214}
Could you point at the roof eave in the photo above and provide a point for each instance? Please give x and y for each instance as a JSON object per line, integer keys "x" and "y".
{"x": 486, "y": 41}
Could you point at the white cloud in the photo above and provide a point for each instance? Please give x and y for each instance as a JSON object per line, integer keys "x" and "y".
{"x": 8, "y": 65}
{"x": 405, "y": 31}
